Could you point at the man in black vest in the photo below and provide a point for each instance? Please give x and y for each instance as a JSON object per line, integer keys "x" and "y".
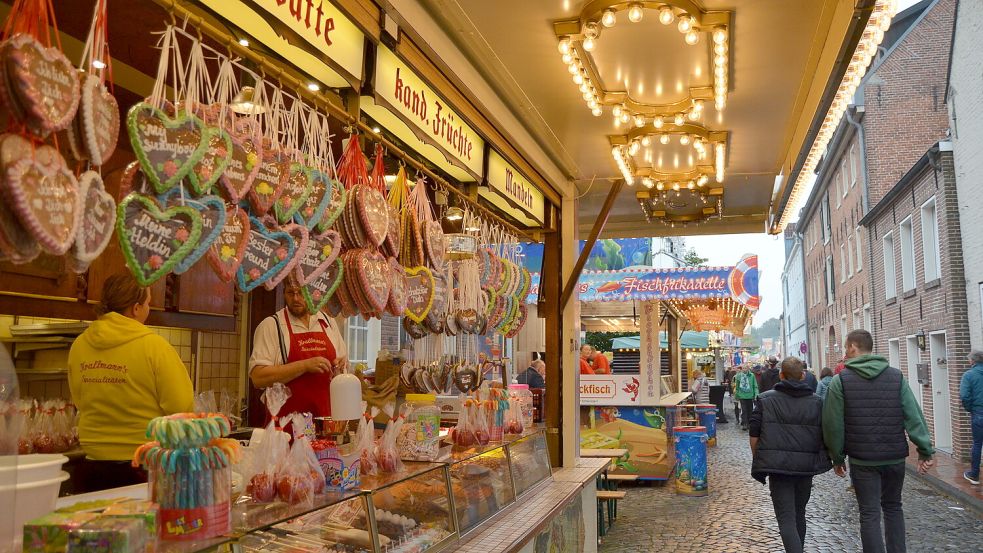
{"x": 769, "y": 376}
{"x": 868, "y": 408}
{"x": 787, "y": 442}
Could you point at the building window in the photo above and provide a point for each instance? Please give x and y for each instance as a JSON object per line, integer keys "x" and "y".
{"x": 890, "y": 270}
{"x": 824, "y": 213}
{"x": 849, "y": 254}
{"x": 860, "y": 254}
{"x": 856, "y": 319}
{"x": 830, "y": 282}
{"x": 844, "y": 187}
{"x": 907, "y": 256}
{"x": 868, "y": 319}
{"x": 930, "y": 241}
{"x": 853, "y": 167}
{"x": 842, "y": 263}
{"x": 358, "y": 340}
{"x": 843, "y": 329}
{"x": 894, "y": 352}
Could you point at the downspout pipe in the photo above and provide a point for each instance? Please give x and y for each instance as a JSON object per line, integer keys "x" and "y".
{"x": 862, "y": 139}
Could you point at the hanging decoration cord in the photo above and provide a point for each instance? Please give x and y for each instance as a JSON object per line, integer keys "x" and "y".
{"x": 175, "y": 8}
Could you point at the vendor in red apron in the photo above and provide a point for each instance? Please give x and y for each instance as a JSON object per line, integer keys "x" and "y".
{"x": 301, "y": 349}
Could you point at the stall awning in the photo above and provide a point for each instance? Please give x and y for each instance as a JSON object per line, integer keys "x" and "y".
{"x": 690, "y": 340}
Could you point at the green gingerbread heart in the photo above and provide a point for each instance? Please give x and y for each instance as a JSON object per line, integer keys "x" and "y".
{"x": 320, "y": 290}
{"x": 167, "y": 147}
{"x": 155, "y": 240}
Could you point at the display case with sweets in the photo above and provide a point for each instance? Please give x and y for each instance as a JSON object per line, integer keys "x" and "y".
{"x": 49, "y": 534}
{"x": 109, "y": 535}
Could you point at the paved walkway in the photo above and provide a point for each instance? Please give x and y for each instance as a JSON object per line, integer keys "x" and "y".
{"x": 738, "y": 517}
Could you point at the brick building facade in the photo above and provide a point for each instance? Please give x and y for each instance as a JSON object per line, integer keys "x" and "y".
{"x": 919, "y": 304}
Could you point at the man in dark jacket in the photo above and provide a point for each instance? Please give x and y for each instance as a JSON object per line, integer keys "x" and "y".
{"x": 787, "y": 442}
{"x": 534, "y": 375}
{"x": 868, "y": 408}
{"x": 769, "y": 376}
{"x": 971, "y": 396}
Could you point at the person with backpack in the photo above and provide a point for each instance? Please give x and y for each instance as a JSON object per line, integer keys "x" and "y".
{"x": 869, "y": 407}
{"x": 787, "y": 443}
{"x": 745, "y": 390}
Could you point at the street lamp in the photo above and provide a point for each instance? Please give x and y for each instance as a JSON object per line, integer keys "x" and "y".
{"x": 920, "y": 339}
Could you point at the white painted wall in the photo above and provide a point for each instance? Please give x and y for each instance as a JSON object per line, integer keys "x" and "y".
{"x": 793, "y": 301}
{"x": 965, "y": 98}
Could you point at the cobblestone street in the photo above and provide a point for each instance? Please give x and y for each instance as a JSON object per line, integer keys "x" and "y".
{"x": 737, "y": 516}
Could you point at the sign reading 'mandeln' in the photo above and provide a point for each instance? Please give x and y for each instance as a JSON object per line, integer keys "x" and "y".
{"x": 419, "y": 106}
{"x": 508, "y": 182}
{"x": 317, "y": 22}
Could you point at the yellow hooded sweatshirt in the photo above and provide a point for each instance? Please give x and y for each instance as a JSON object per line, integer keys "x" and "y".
{"x": 121, "y": 376}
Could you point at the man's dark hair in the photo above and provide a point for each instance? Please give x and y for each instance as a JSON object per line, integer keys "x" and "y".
{"x": 862, "y": 339}
{"x": 792, "y": 368}
{"x": 826, "y": 372}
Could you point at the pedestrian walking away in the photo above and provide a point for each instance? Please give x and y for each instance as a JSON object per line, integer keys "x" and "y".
{"x": 745, "y": 390}
{"x": 700, "y": 387}
{"x": 971, "y": 396}
{"x": 787, "y": 444}
{"x": 824, "y": 379}
{"x": 769, "y": 376}
{"x": 867, "y": 411}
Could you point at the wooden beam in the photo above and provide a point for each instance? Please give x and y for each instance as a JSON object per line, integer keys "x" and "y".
{"x": 549, "y": 309}
{"x": 602, "y": 218}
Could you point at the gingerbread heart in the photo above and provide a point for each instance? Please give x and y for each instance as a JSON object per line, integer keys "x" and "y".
{"x": 269, "y": 182}
{"x": 374, "y": 275}
{"x": 16, "y": 243}
{"x": 317, "y": 202}
{"x": 300, "y": 236}
{"x": 397, "y": 289}
{"x": 44, "y": 82}
{"x": 214, "y": 161}
{"x": 435, "y": 244}
{"x": 167, "y": 147}
{"x": 44, "y": 195}
{"x": 339, "y": 197}
{"x": 295, "y": 193}
{"x": 321, "y": 289}
{"x": 321, "y": 251}
{"x": 247, "y": 157}
{"x": 213, "y": 212}
{"x": 419, "y": 293}
{"x": 97, "y": 222}
{"x": 153, "y": 240}
{"x": 98, "y": 120}
{"x": 227, "y": 252}
{"x": 373, "y": 214}
{"x": 267, "y": 253}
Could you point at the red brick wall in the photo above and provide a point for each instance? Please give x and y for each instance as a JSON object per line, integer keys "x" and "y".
{"x": 904, "y": 98}
{"x": 935, "y": 306}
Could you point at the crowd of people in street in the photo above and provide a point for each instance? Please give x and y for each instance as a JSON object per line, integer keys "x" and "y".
{"x": 864, "y": 412}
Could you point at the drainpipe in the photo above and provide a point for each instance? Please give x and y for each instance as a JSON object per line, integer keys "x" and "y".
{"x": 865, "y": 200}
{"x": 863, "y": 155}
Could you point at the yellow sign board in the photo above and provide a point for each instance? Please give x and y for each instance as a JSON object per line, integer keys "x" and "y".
{"x": 508, "y": 182}
{"x": 404, "y": 92}
{"x": 329, "y": 37}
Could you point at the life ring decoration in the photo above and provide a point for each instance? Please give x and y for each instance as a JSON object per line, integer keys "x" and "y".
{"x": 743, "y": 282}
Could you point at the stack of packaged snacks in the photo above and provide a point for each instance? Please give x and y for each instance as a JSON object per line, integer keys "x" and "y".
{"x": 106, "y": 526}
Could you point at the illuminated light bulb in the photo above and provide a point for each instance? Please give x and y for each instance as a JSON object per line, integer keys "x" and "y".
{"x": 878, "y": 35}
{"x": 664, "y": 138}
{"x": 567, "y": 58}
{"x": 633, "y": 149}
{"x": 578, "y": 78}
{"x": 661, "y": 185}
{"x": 692, "y": 37}
{"x": 719, "y": 35}
{"x": 592, "y": 103}
{"x": 588, "y": 44}
{"x": 625, "y": 117}
{"x": 675, "y": 186}
{"x": 646, "y": 141}
{"x": 639, "y": 121}
{"x": 691, "y": 185}
{"x": 685, "y": 24}
{"x": 720, "y": 49}
{"x": 666, "y": 16}
{"x": 693, "y": 115}
{"x": 608, "y": 18}
{"x": 616, "y": 111}
{"x": 616, "y": 152}
{"x": 719, "y": 71}
{"x": 564, "y": 46}
{"x": 313, "y": 87}
{"x": 648, "y": 182}
{"x": 572, "y": 68}
{"x": 720, "y": 60}
{"x": 658, "y": 122}
{"x": 585, "y": 89}
{"x": 698, "y": 105}
{"x": 684, "y": 139}
{"x": 679, "y": 119}
{"x": 884, "y": 23}
{"x": 244, "y": 43}
{"x": 596, "y": 110}
{"x": 720, "y": 90}
{"x": 98, "y": 64}
{"x": 702, "y": 180}
{"x": 635, "y": 13}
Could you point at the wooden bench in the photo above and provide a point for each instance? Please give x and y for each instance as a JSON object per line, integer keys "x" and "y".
{"x": 621, "y": 477}
{"x": 609, "y": 482}
{"x": 609, "y": 498}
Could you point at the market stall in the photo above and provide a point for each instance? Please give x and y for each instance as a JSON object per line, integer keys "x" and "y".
{"x": 637, "y": 409}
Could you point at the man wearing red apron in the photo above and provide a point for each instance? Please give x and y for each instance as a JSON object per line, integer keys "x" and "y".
{"x": 301, "y": 349}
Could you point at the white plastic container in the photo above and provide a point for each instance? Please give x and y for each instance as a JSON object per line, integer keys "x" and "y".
{"x": 32, "y": 468}
{"x": 30, "y": 500}
{"x": 524, "y": 396}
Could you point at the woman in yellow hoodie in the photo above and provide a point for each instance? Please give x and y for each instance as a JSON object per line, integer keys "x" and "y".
{"x": 121, "y": 376}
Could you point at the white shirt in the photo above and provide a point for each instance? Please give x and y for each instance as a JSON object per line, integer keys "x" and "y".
{"x": 266, "y": 343}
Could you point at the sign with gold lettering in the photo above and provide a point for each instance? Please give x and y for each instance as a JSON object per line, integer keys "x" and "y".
{"x": 432, "y": 120}
{"x": 516, "y": 188}
{"x": 313, "y": 35}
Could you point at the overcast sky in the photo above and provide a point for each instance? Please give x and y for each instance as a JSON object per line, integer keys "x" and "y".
{"x": 727, "y": 249}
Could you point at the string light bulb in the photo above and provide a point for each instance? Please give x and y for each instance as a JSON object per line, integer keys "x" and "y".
{"x": 588, "y": 44}
{"x": 658, "y": 122}
{"x": 567, "y": 58}
{"x": 564, "y": 45}
{"x": 719, "y": 35}
{"x": 685, "y": 24}
{"x": 596, "y": 110}
{"x": 664, "y": 138}
{"x": 616, "y": 111}
{"x": 646, "y": 141}
{"x": 693, "y": 115}
{"x": 625, "y": 117}
{"x": 666, "y": 16}
{"x": 608, "y": 18}
{"x": 639, "y": 121}
{"x": 692, "y": 37}
{"x": 635, "y": 13}
{"x": 679, "y": 119}
{"x": 684, "y": 139}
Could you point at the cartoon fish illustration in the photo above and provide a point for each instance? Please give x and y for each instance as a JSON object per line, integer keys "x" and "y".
{"x": 609, "y": 287}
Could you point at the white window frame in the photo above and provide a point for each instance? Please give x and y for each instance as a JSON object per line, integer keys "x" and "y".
{"x": 860, "y": 253}
{"x": 890, "y": 267}
{"x": 909, "y": 278}
{"x": 853, "y": 166}
{"x": 856, "y": 319}
{"x": 931, "y": 255}
{"x": 842, "y": 263}
{"x": 357, "y": 339}
{"x": 824, "y": 216}
{"x": 894, "y": 352}
{"x": 843, "y": 328}
{"x": 830, "y": 278}
{"x": 849, "y": 254}
{"x": 868, "y": 318}
{"x": 844, "y": 187}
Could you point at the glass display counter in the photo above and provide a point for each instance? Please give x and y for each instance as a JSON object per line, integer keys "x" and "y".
{"x": 481, "y": 480}
{"x": 530, "y": 461}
